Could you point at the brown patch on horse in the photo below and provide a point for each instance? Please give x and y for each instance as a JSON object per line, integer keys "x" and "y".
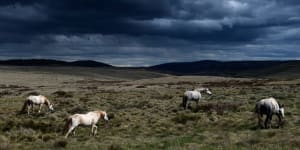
{"x": 68, "y": 122}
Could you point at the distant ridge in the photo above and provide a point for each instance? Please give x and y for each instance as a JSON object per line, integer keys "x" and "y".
{"x": 273, "y": 69}
{"x": 50, "y": 62}
{"x": 232, "y": 68}
{"x": 89, "y": 63}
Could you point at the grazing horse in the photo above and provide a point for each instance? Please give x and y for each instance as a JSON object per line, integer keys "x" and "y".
{"x": 269, "y": 106}
{"x": 88, "y": 119}
{"x": 194, "y": 95}
{"x": 36, "y": 100}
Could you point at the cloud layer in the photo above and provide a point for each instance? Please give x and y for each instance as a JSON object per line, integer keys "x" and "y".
{"x": 147, "y": 32}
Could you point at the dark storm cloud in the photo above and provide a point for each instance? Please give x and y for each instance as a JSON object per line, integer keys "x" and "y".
{"x": 145, "y": 32}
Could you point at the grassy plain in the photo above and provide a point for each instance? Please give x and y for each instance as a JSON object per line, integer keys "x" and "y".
{"x": 145, "y": 110}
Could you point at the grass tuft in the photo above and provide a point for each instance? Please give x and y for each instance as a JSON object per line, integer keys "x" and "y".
{"x": 62, "y": 143}
{"x": 62, "y": 94}
{"x": 115, "y": 147}
{"x": 5, "y": 143}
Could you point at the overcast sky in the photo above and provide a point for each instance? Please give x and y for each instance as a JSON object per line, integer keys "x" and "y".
{"x": 149, "y": 32}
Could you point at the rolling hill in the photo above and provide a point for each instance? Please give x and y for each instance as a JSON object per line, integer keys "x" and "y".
{"x": 232, "y": 68}
{"x": 269, "y": 69}
{"x": 50, "y": 62}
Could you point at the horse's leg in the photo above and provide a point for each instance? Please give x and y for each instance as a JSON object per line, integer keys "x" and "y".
{"x": 279, "y": 121}
{"x": 69, "y": 131}
{"x": 197, "y": 102}
{"x": 184, "y": 102}
{"x": 32, "y": 109}
{"x": 28, "y": 109}
{"x": 259, "y": 116}
{"x": 268, "y": 121}
{"x": 268, "y": 118}
{"x": 40, "y": 108}
{"x": 187, "y": 104}
{"x": 95, "y": 129}
{"x": 92, "y": 130}
{"x": 74, "y": 132}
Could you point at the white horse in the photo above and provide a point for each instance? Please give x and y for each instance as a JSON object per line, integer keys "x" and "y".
{"x": 88, "y": 119}
{"x": 194, "y": 95}
{"x": 36, "y": 100}
{"x": 269, "y": 106}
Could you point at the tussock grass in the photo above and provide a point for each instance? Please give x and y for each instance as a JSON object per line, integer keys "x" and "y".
{"x": 5, "y": 143}
{"x": 115, "y": 147}
{"x": 147, "y": 114}
{"x": 62, "y": 94}
{"x": 60, "y": 143}
{"x": 32, "y": 93}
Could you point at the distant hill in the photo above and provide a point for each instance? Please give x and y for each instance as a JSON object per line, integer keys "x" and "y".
{"x": 232, "y": 68}
{"x": 269, "y": 69}
{"x": 89, "y": 63}
{"x": 50, "y": 62}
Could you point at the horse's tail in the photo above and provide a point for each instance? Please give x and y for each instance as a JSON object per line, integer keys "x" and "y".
{"x": 24, "y": 106}
{"x": 68, "y": 122}
{"x": 184, "y": 101}
{"x": 257, "y": 110}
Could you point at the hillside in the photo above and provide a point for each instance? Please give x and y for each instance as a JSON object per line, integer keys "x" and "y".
{"x": 262, "y": 69}
{"x": 50, "y": 62}
{"x": 271, "y": 69}
{"x": 50, "y": 75}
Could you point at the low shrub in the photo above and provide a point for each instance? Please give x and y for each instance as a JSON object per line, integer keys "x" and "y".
{"x": 162, "y": 96}
{"x": 33, "y": 93}
{"x": 185, "y": 117}
{"x": 62, "y": 94}
{"x": 220, "y": 108}
{"x": 115, "y": 147}
{"x": 5, "y": 143}
{"x": 60, "y": 143}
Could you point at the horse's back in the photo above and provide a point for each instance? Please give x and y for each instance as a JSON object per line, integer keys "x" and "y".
{"x": 94, "y": 116}
{"x": 36, "y": 98}
{"x": 192, "y": 94}
{"x": 83, "y": 119}
{"x": 268, "y": 104}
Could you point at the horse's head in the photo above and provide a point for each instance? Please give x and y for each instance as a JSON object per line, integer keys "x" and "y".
{"x": 104, "y": 115}
{"x": 207, "y": 91}
{"x": 51, "y": 107}
{"x": 281, "y": 110}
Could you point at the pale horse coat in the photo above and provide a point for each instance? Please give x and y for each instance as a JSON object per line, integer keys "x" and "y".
{"x": 194, "y": 95}
{"x": 269, "y": 106}
{"x": 88, "y": 119}
{"x": 39, "y": 100}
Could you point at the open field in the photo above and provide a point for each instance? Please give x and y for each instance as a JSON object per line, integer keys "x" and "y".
{"x": 145, "y": 110}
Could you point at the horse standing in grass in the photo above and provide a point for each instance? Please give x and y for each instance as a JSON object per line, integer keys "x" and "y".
{"x": 88, "y": 119}
{"x": 36, "y": 100}
{"x": 194, "y": 95}
{"x": 269, "y": 106}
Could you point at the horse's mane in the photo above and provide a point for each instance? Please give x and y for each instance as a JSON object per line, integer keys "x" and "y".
{"x": 102, "y": 113}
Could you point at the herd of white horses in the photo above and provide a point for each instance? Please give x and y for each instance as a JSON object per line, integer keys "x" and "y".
{"x": 268, "y": 106}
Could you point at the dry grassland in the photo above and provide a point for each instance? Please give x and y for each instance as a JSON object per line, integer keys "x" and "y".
{"x": 145, "y": 110}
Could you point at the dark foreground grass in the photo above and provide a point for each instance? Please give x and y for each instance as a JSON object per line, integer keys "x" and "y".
{"x": 151, "y": 117}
